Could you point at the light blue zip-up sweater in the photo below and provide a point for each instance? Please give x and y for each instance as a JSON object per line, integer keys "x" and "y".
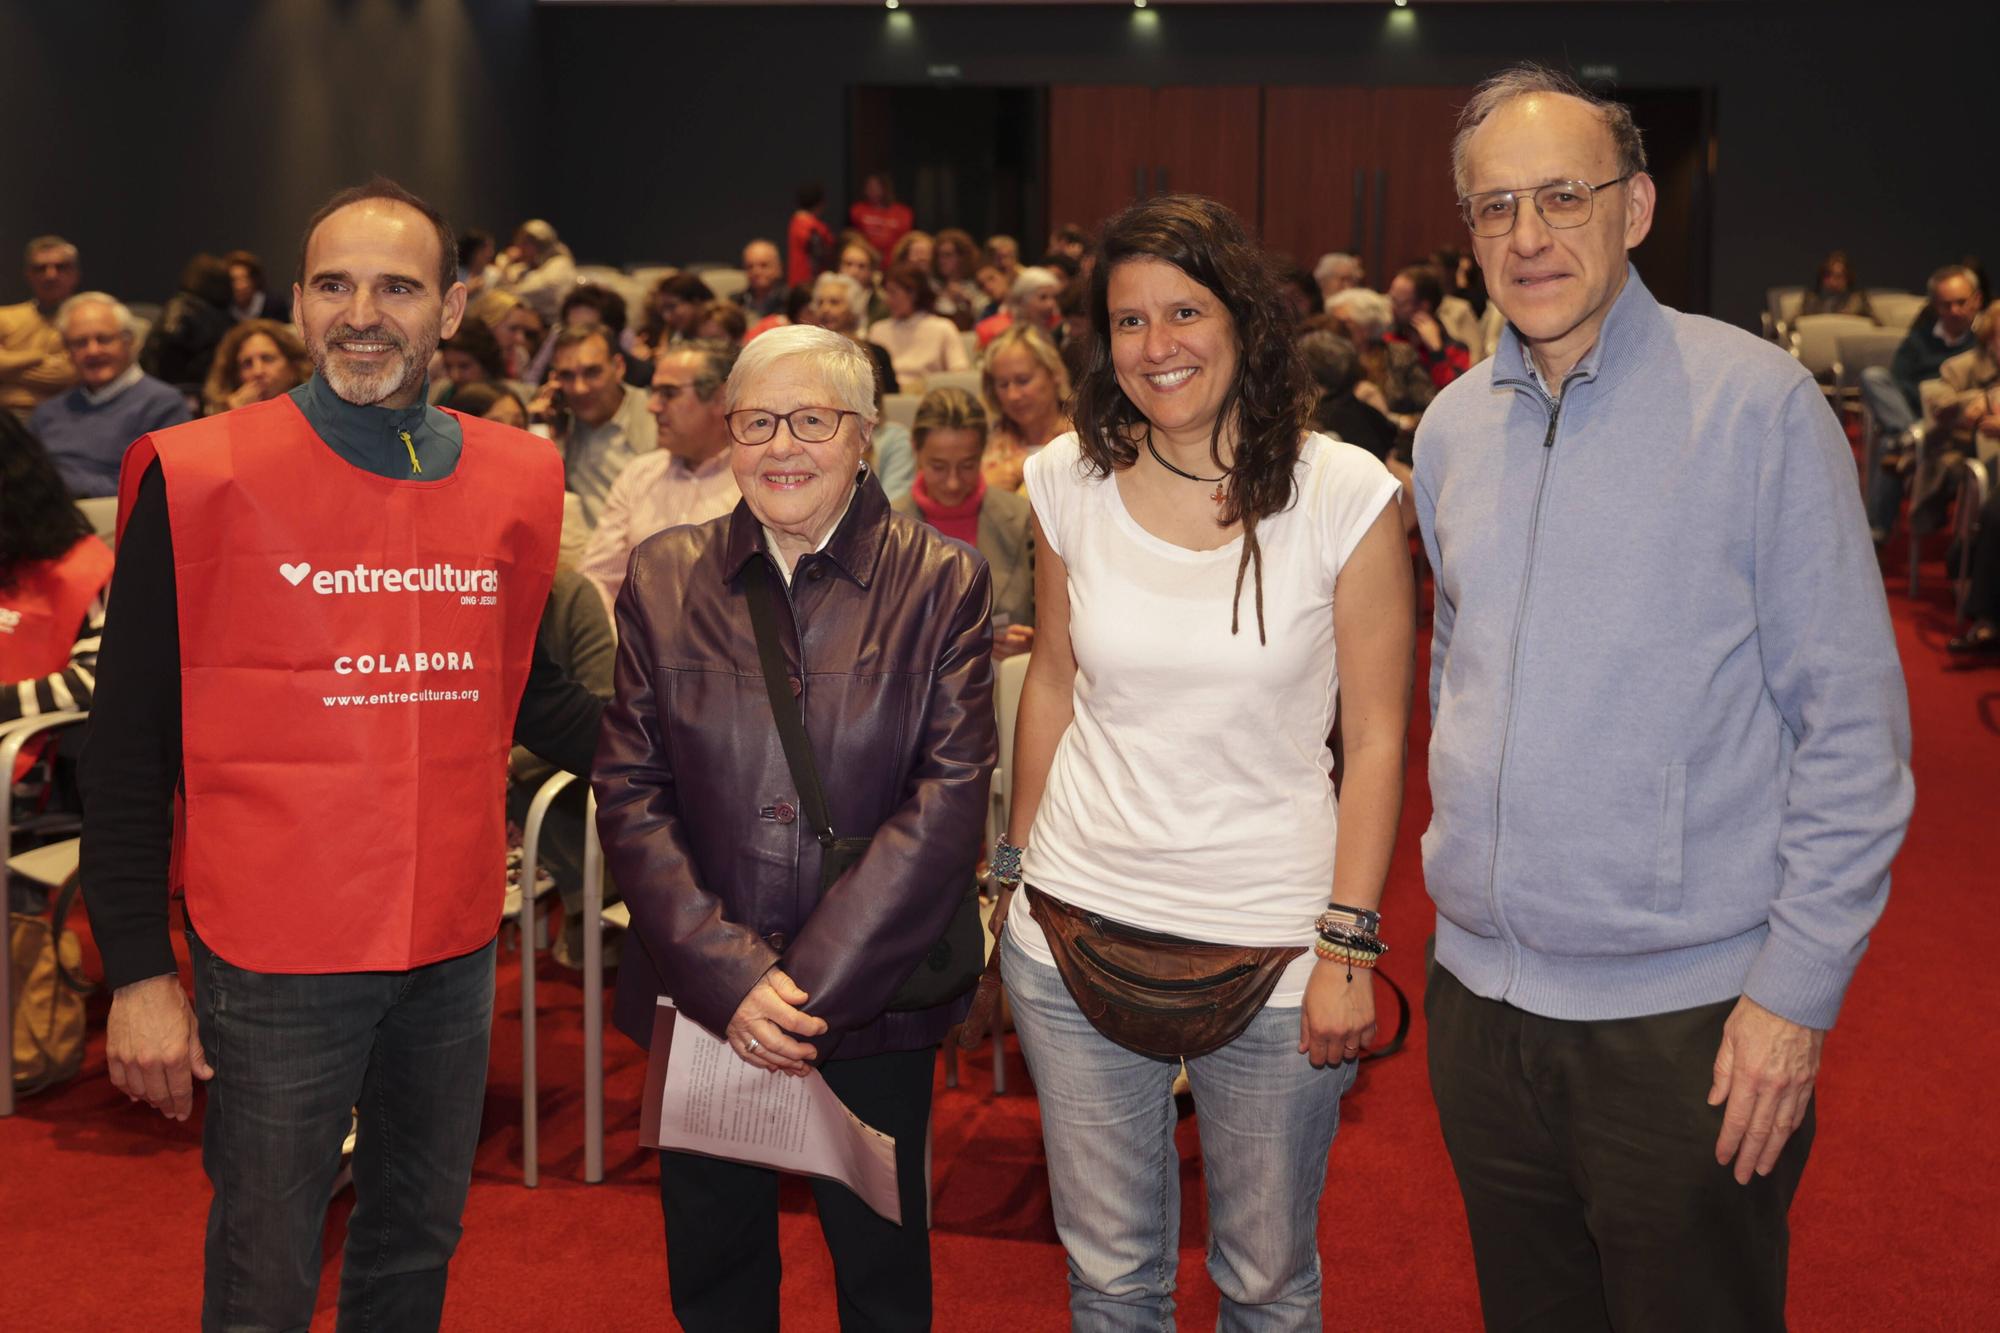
{"x": 1670, "y": 752}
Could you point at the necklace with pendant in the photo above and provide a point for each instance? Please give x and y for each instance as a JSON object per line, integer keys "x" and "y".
{"x": 1215, "y": 496}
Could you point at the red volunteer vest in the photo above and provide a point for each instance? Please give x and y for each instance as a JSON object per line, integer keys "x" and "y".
{"x": 40, "y": 616}
{"x": 353, "y": 651}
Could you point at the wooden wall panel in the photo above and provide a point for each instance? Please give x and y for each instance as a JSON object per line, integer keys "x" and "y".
{"x": 1413, "y": 133}
{"x": 1315, "y": 140}
{"x": 1099, "y": 138}
{"x": 1205, "y": 142}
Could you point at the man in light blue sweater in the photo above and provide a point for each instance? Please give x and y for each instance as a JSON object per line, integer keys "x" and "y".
{"x": 1670, "y": 760}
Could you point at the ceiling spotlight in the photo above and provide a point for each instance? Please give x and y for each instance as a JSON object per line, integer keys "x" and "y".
{"x": 892, "y": 4}
{"x": 1138, "y": 4}
{"x": 1402, "y": 4}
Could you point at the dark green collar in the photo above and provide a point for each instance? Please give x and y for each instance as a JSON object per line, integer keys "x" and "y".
{"x": 372, "y": 438}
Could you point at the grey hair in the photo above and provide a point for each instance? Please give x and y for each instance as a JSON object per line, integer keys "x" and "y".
{"x": 41, "y": 243}
{"x": 1527, "y": 79}
{"x": 1946, "y": 274}
{"x": 125, "y": 318}
{"x": 1368, "y": 309}
{"x": 1336, "y": 262}
{"x": 717, "y": 359}
{"x": 857, "y": 296}
{"x": 1029, "y": 281}
{"x": 843, "y": 366}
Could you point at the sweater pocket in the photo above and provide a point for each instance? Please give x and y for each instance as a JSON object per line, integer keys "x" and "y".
{"x": 1673, "y": 833}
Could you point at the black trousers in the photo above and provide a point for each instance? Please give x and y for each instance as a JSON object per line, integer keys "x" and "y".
{"x": 722, "y": 1218}
{"x": 1586, "y": 1155}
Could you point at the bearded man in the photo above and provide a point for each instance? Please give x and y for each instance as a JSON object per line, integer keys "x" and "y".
{"x": 327, "y": 638}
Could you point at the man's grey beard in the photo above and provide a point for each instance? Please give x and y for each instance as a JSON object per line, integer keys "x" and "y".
{"x": 406, "y": 371}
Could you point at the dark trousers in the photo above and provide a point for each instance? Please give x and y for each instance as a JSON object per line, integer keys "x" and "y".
{"x": 722, "y": 1218}
{"x": 1586, "y": 1155}
{"x": 295, "y": 1057}
{"x": 1983, "y": 602}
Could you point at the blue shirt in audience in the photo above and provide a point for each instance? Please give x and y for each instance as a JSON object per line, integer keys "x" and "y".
{"x": 87, "y": 441}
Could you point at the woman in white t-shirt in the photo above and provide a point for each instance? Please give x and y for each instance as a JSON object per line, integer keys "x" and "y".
{"x": 1203, "y": 564}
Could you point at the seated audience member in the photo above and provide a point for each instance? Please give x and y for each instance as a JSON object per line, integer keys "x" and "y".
{"x": 859, "y": 261}
{"x": 1031, "y": 300}
{"x": 576, "y": 633}
{"x": 955, "y": 258}
{"x": 1834, "y": 290}
{"x": 53, "y": 576}
{"x": 919, "y": 343}
{"x": 1414, "y": 297}
{"x": 33, "y": 365}
{"x": 1301, "y": 292}
{"x": 537, "y": 268}
{"x": 949, "y": 491}
{"x": 1335, "y": 273}
{"x": 591, "y": 305}
{"x": 1073, "y": 334}
{"x": 517, "y": 326}
{"x": 837, "y": 302}
{"x": 808, "y": 240}
{"x": 497, "y": 400}
{"x": 686, "y": 480}
{"x": 470, "y": 356}
{"x": 763, "y": 266}
{"x": 673, "y": 310}
{"x": 182, "y": 342}
{"x": 1336, "y": 372}
{"x": 1070, "y": 241}
{"x": 1397, "y": 384}
{"x": 87, "y": 430}
{"x": 598, "y": 421}
{"x": 1892, "y": 394}
{"x": 722, "y": 321}
{"x": 1961, "y": 421}
{"x": 250, "y": 297}
{"x": 476, "y": 252}
{"x": 1463, "y": 282}
{"x": 256, "y": 360}
{"x": 1026, "y": 388}
{"x": 1069, "y": 270}
{"x": 878, "y": 216}
{"x": 1004, "y": 254}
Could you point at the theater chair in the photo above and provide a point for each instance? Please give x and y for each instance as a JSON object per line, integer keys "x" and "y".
{"x": 520, "y": 909}
{"x": 967, "y": 380}
{"x": 48, "y": 865}
{"x": 1974, "y": 487}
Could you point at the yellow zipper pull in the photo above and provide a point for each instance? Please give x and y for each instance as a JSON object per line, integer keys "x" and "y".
{"x": 416, "y": 468}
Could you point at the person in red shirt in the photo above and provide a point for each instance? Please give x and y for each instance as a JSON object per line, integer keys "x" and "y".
{"x": 1414, "y": 296}
{"x": 878, "y": 216}
{"x": 808, "y": 241}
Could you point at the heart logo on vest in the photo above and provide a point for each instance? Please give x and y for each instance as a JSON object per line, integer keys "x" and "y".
{"x": 295, "y": 574}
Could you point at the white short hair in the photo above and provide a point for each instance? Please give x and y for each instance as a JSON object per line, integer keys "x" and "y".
{"x": 1368, "y": 309}
{"x": 842, "y": 364}
{"x": 1029, "y": 281}
{"x": 857, "y": 295}
{"x": 1335, "y": 263}
{"x": 126, "y": 320}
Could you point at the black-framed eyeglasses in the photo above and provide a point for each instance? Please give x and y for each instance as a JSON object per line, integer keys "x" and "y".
{"x": 809, "y": 425}
{"x": 1562, "y": 204}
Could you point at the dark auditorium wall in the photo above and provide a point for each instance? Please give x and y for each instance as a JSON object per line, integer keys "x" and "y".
{"x": 673, "y": 131}
{"x": 147, "y": 132}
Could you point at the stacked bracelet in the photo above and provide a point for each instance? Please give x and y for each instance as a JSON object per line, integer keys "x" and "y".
{"x": 1005, "y": 862}
{"x": 1341, "y": 953}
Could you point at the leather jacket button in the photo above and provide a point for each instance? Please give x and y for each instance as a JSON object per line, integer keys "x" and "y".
{"x": 776, "y": 939}
{"x": 785, "y": 812}
{"x": 816, "y": 573}
{"x": 798, "y": 686}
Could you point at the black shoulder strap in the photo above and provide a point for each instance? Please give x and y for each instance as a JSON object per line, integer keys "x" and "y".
{"x": 757, "y": 586}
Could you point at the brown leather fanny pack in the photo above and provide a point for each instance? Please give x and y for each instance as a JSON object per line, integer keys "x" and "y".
{"x": 1159, "y": 995}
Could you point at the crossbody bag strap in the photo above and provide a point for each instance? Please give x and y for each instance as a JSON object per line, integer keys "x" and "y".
{"x": 763, "y": 598}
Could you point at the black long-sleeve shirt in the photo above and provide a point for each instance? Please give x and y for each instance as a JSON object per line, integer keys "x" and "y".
{"x": 132, "y": 757}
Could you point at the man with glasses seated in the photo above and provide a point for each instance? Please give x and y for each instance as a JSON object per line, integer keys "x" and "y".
{"x": 1944, "y": 331}
{"x": 600, "y": 422}
{"x": 1669, "y": 757}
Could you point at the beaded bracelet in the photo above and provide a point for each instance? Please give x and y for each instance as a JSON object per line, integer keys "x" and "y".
{"x": 1335, "y": 954}
{"x": 1005, "y": 862}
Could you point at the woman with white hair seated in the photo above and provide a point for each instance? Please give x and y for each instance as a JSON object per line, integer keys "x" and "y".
{"x": 1401, "y": 387}
{"x": 839, "y": 303}
{"x": 796, "y": 948}
{"x": 1031, "y": 300}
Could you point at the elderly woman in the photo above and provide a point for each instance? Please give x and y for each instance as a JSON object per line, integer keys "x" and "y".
{"x": 885, "y": 637}
{"x": 919, "y": 343}
{"x": 950, "y": 493}
{"x": 1394, "y": 383}
{"x": 1211, "y": 577}
{"x": 839, "y": 304}
{"x": 256, "y": 359}
{"x": 1031, "y": 299}
{"x": 1026, "y": 387}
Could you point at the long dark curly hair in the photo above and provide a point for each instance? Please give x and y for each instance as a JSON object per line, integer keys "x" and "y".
{"x": 1268, "y": 402}
{"x": 38, "y": 520}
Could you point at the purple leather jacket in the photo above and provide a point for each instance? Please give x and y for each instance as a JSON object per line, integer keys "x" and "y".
{"x": 890, "y": 653}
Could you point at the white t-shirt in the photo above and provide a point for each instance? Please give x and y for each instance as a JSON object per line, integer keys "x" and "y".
{"x": 1192, "y": 793}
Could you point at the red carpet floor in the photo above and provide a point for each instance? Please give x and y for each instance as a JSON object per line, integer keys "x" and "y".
{"x": 101, "y": 1203}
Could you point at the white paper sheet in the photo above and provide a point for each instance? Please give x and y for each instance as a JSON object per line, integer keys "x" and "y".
{"x": 703, "y": 1098}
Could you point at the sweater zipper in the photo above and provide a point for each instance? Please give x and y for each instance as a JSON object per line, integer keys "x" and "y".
{"x": 1514, "y": 675}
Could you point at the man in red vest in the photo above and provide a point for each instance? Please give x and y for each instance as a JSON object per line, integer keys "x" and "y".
{"x": 325, "y": 643}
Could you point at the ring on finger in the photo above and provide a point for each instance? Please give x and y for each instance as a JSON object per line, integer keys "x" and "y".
{"x": 750, "y": 1047}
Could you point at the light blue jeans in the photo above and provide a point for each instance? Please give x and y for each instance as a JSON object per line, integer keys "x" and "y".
{"x": 1267, "y": 1120}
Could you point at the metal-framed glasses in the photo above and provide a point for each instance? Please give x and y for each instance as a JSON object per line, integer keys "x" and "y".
{"x": 1562, "y": 204}
{"x": 809, "y": 425}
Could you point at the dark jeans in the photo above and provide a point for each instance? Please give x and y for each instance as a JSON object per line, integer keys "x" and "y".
{"x": 295, "y": 1056}
{"x": 722, "y": 1218}
{"x": 1586, "y": 1155}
